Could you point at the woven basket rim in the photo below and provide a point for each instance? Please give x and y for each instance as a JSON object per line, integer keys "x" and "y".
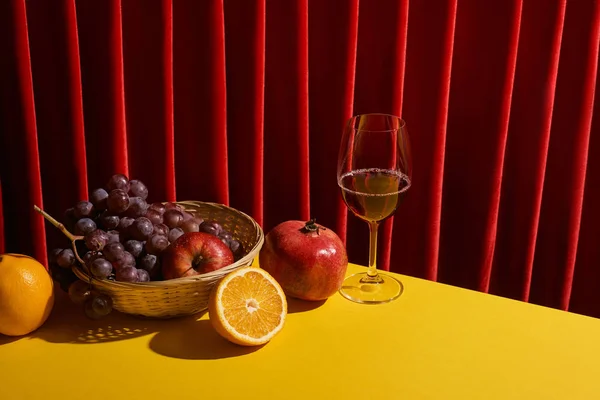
{"x": 170, "y": 283}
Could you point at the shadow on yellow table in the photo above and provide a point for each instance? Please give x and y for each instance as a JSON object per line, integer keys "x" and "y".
{"x": 435, "y": 342}
{"x": 191, "y": 338}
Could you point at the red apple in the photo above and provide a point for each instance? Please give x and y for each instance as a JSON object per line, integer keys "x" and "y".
{"x": 195, "y": 253}
{"x": 308, "y": 260}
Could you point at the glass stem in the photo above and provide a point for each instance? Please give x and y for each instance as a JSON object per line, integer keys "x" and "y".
{"x": 372, "y": 271}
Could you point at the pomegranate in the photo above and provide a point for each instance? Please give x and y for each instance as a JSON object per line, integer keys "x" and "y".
{"x": 308, "y": 260}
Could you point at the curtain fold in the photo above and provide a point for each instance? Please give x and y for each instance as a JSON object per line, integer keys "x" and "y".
{"x": 148, "y": 89}
{"x": 567, "y": 158}
{"x": 199, "y": 83}
{"x": 58, "y": 102}
{"x": 102, "y": 79}
{"x": 286, "y": 151}
{"x": 478, "y": 109}
{"x": 332, "y": 66}
{"x": 245, "y": 31}
{"x": 19, "y": 141}
{"x": 527, "y": 147}
{"x": 243, "y": 103}
{"x": 426, "y": 109}
{"x": 379, "y": 80}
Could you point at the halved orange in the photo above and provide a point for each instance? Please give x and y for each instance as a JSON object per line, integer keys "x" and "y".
{"x": 247, "y": 307}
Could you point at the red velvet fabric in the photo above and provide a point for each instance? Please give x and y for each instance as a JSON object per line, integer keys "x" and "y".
{"x": 243, "y": 102}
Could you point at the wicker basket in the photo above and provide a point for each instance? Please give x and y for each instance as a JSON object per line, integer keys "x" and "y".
{"x": 188, "y": 295}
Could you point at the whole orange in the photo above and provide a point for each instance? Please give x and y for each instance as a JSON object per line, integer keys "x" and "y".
{"x": 26, "y": 294}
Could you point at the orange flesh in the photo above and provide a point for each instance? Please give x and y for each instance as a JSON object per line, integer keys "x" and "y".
{"x": 252, "y": 305}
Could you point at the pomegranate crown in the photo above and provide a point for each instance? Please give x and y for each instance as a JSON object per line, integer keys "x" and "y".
{"x": 311, "y": 226}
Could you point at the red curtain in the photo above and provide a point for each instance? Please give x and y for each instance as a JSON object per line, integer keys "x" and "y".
{"x": 243, "y": 102}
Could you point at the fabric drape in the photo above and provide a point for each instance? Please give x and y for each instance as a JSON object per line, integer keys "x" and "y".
{"x": 243, "y": 103}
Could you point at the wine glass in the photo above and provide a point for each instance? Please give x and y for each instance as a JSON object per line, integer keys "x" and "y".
{"x": 374, "y": 174}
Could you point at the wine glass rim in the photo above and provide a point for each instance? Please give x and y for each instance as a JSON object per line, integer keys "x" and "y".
{"x": 402, "y": 122}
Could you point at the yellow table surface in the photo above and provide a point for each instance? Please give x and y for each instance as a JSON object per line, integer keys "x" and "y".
{"x": 434, "y": 342}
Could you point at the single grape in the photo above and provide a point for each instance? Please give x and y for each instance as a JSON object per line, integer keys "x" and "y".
{"x": 137, "y": 207}
{"x": 135, "y": 247}
{"x": 226, "y": 238}
{"x": 113, "y": 251}
{"x": 53, "y": 254}
{"x": 138, "y": 189}
{"x": 101, "y": 268}
{"x": 79, "y": 292}
{"x": 174, "y": 234}
{"x": 141, "y": 229}
{"x": 65, "y": 258}
{"x": 104, "y": 307}
{"x": 161, "y": 229}
{"x": 124, "y": 224}
{"x": 187, "y": 216}
{"x": 127, "y": 274}
{"x": 150, "y": 263}
{"x": 212, "y": 227}
{"x": 156, "y": 244}
{"x": 154, "y": 216}
{"x": 90, "y": 256}
{"x": 126, "y": 260}
{"x": 118, "y": 201}
{"x": 109, "y": 221}
{"x": 191, "y": 225}
{"x": 98, "y": 198}
{"x": 143, "y": 275}
{"x": 98, "y": 306}
{"x": 236, "y": 248}
{"x": 84, "y": 226}
{"x": 118, "y": 181}
{"x": 158, "y": 207}
{"x": 113, "y": 236}
{"x": 170, "y": 206}
{"x": 96, "y": 240}
{"x": 83, "y": 209}
{"x": 225, "y": 235}
{"x": 172, "y": 218}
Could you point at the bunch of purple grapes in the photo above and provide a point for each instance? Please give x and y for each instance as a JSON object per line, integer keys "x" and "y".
{"x": 95, "y": 304}
{"x": 125, "y": 235}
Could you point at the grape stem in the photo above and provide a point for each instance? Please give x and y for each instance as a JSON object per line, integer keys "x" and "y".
{"x": 65, "y": 231}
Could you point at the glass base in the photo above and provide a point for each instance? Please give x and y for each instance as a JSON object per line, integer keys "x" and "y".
{"x": 362, "y": 288}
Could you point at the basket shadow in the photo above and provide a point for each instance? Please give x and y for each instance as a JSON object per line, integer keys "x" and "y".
{"x": 194, "y": 339}
{"x": 68, "y": 324}
{"x": 297, "y": 305}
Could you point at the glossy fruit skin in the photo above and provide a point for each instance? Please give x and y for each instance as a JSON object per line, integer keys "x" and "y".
{"x": 308, "y": 264}
{"x": 195, "y": 253}
{"x": 26, "y": 294}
